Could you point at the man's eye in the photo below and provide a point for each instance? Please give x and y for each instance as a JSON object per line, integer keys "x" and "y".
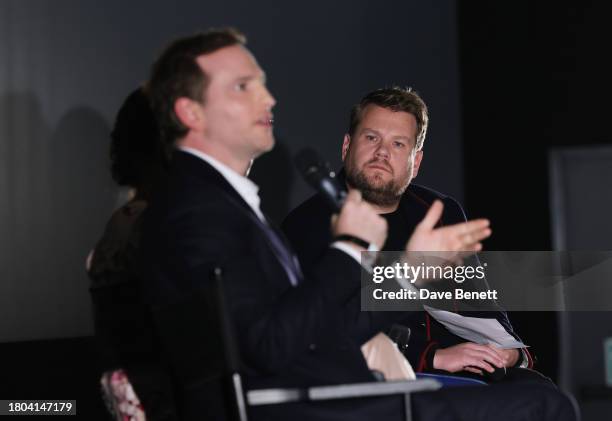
{"x": 242, "y": 86}
{"x": 370, "y": 137}
{"x": 399, "y": 144}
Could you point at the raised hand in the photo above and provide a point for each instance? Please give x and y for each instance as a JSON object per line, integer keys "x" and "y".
{"x": 464, "y": 237}
{"x": 359, "y": 219}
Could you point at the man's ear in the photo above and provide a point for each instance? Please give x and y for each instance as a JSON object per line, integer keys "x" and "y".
{"x": 189, "y": 112}
{"x": 346, "y": 143}
{"x": 417, "y": 163}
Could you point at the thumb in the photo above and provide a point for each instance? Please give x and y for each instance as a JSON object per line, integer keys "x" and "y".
{"x": 333, "y": 220}
{"x": 432, "y": 217}
{"x": 354, "y": 195}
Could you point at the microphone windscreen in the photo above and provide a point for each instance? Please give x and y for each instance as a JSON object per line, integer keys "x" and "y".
{"x": 307, "y": 161}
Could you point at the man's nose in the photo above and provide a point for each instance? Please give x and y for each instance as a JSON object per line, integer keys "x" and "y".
{"x": 382, "y": 151}
{"x": 268, "y": 99}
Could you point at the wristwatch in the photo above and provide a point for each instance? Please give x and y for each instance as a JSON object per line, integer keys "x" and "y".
{"x": 357, "y": 241}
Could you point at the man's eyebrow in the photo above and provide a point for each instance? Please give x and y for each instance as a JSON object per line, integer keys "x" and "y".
{"x": 367, "y": 129}
{"x": 406, "y": 138}
{"x": 376, "y": 132}
{"x": 247, "y": 78}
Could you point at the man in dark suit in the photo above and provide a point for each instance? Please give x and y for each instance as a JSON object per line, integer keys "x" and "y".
{"x": 214, "y": 111}
{"x": 382, "y": 153}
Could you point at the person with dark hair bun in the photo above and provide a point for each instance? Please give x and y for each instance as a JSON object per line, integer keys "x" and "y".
{"x": 132, "y": 377}
{"x": 137, "y": 156}
{"x": 138, "y": 162}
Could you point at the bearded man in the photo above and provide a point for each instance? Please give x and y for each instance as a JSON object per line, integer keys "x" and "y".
{"x": 382, "y": 152}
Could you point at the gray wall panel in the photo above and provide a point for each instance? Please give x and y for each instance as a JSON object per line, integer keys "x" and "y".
{"x": 68, "y": 64}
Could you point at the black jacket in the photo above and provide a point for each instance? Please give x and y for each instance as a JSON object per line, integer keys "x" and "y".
{"x": 308, "y": 229}
{"x": 287, "y": 336}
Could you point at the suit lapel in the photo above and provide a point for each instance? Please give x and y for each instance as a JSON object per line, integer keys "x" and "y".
{"x": 192, "y": 166}
{"x": 285, "y": 242}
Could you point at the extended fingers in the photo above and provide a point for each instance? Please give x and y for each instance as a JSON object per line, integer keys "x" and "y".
{"x": 466, "y": 236}
{"x": 474, "y": 225}
{"x": 433, "y": 216}
{"x": 474, "y": 237}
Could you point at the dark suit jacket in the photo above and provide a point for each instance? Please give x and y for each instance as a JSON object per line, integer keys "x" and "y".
{"x": 307, "y": 227}
{"x": 287, "y": 336}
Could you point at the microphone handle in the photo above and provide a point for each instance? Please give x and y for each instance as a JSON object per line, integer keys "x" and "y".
{"x": 334, "y": 195}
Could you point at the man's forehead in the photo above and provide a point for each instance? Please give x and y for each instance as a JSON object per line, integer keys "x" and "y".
{"x": 231, "y": 61}
{"x": 378, "y": 118}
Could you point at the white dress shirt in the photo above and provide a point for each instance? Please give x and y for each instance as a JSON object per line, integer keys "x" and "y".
{"x": 245, "y": 187}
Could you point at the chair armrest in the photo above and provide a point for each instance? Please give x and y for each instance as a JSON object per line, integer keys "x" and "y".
{"x": 358, "y": 390}
{"x": 275, "y": 396}
{"x": 342, "y": 391}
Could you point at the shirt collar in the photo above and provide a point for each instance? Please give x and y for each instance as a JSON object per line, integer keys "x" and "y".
{"x": 244, "y": 186}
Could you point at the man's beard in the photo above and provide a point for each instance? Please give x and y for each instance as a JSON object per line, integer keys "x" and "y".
{"x": 386, "y": 194}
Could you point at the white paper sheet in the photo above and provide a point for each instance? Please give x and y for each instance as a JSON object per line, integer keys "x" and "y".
{"x": 475, "y": 329}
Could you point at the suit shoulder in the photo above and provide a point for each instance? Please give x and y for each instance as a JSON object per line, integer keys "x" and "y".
{"x": 193, "y": 202}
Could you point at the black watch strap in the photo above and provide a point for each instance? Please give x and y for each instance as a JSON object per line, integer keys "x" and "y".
{"x": 355, "y": 240}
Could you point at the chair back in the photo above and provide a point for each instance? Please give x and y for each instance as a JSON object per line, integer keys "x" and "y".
{"x": 197, "y": 338}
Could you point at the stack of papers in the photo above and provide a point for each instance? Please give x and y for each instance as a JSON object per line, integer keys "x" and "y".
{"x": 475, "y": 329}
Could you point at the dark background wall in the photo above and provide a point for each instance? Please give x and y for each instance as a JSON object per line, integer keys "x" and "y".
{"x": 511, "y": 80}
{"x": 67, "y": 66}
{"x": 535, "y": 76}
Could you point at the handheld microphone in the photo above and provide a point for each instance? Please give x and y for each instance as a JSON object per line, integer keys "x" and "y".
{"x": 317, "y": 174}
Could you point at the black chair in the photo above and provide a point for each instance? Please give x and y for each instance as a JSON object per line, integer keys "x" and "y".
{"x": 207, "y": 374}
